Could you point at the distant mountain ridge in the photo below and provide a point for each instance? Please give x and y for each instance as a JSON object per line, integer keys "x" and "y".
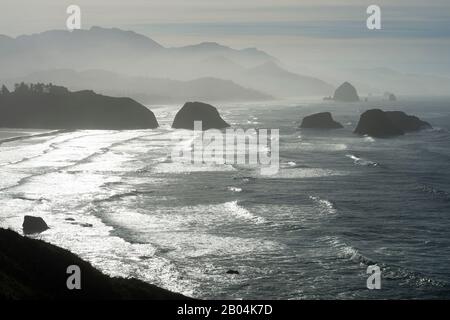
{"x": 132, "y": 54}
{"x": 144, "y": 89}
{"x": 61, "y": 48}
{"x": 289, "y": 82}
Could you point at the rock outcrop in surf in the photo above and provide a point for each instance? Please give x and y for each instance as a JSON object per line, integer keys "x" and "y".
{"x": 235, "y": 272}
{"x": 198, "y": 111}
{"x": 323, "y": 120}
{"x": 35, "y": 270}
{"x": 40, "y": 106}
{"x": 378, "y": 123}
{"x": 33, "y": 225}
{"x": 406, "y": 122}
{"x": 346, "y": 93}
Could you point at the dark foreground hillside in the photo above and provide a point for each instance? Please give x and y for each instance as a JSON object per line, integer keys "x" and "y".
{"x": 41, "y": 106}
{"x": 33, "y": 269}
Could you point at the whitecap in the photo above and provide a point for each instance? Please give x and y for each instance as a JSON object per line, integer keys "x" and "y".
{"x": 322, "y": 146}
{"x": 234, "y": 189}
{"x": 324, "y": 206}
{"x": 361, "y": 161}
{"x": 301, "y": 173}
{"x": 369, "y": 138}
{"x": 187, "y": 167}
{"x": 235, "y": 209}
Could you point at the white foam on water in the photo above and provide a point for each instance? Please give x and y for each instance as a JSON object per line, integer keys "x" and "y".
{"x": 32, "y": 147}
{"x": 110, "y": 254}
{"x": 325, "y": 206}
{"x": 235, "y": 209}
{"x": 300, "y": 173}
{"x": 109, "y": 161}
{"x": 190, "y": 232}
{"x": 182, "y": 218}
{"x": 288, "y": 164}
{"x": 9, "y": 178}
{"x": 55, "y": 185}
{"x": 235, "y": 189}
{"x": 187, "y": 167}
{"x": 361, "y": 161}
{"x": 345, "y": 251}
{"x": 369, "y": 139}
{"x": 306, "y": 146}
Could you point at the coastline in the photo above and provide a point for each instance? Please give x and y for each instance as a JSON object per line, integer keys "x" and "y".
{"x": 35, "y": 270}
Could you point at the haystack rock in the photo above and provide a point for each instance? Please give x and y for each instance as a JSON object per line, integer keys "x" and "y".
{"x": 378, "y": 123}
{"x": 322, "y": 120}
{"x": 198, "y": 111}
{"x": 390, "y": 96}
{"x": 346, "y": 93}
{"x": 34, "y": 225}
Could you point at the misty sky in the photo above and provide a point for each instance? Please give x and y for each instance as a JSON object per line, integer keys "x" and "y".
{"x": 305, "y": 34}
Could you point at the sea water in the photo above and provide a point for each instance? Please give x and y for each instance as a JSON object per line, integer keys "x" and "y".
{"x": 339, "y": 203}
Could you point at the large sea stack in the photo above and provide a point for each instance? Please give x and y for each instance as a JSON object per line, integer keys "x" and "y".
{"x": 346, "y": 93}
{"x": 198, "y": 111}
{"x": 41, "y": 106}
{"x": 406, "y": 122}
{"x": 322, "y": 120}
{"x": 378, "y": 123}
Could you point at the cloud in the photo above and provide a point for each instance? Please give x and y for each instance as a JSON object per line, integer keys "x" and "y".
{"x": 20, "y": 16}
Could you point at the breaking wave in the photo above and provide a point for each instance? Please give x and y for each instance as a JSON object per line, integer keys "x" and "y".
{"x": 325, "y": 206}
{"x": 361, "y": 161}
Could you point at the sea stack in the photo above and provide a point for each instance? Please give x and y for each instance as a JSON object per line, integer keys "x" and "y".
{"x": 323, "y": 120}
{"x": 34, "y": 225}
{"x": 390, "y": 96}
{"x": 377, "y": 123}
{"x": 198, "y": 111}
{"x": 406, "y": 122}
{"x": 346, "y": 93}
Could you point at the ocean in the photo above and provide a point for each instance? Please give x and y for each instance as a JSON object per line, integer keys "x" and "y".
{"x": 339, "y": 203}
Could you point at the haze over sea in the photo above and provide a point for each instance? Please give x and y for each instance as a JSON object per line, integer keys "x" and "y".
{"x": 339, "y": 203}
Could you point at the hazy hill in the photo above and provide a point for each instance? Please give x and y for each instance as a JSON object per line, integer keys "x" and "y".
{"x": 268, "y": 77}
{"x": 246, "y": 57}
{"x": 129, "y": 53}
{"x": 278, "y": 81}
{"x": 102, "y": 48}
{"x": 146, "y": 90}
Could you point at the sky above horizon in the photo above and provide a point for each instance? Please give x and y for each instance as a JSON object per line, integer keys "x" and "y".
{"x": 305, "y": 34}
